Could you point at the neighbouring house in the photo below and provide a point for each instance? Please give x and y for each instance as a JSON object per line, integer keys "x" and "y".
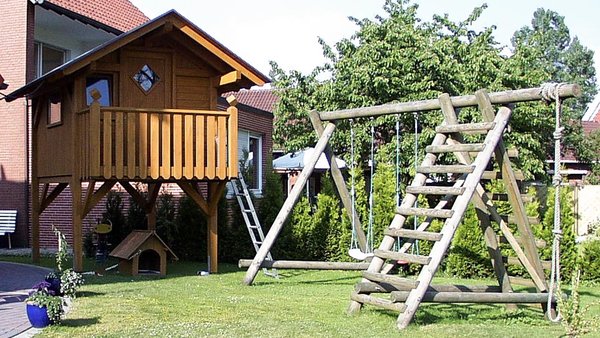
{"x": 61, "y": 20}
{"x": 39, "y": 36}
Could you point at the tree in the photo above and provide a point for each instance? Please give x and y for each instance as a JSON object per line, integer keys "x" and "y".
{"x": 396, "y": 56}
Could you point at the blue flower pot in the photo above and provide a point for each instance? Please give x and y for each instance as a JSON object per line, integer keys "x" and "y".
{"x": 38, "y": 316}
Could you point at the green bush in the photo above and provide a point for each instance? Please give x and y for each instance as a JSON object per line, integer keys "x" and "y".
{"x": 468, "y": 256}
{"x": 589, "y": 260}
{"x": 190, "y": 239}
{"x": 114, "y": 215}
{"x": 166, "y": 227}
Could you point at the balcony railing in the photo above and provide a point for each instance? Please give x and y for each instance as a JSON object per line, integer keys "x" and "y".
{"x": 165, "y": 144}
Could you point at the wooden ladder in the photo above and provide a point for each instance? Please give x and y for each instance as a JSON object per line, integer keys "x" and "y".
{"x": 472, "y": 160}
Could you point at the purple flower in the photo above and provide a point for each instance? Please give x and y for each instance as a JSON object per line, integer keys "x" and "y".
{"x": 44, "y": 287}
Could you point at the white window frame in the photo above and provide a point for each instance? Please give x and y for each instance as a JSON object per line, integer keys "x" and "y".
{"x": 39, "y": 47}
{"x": 259, "y": 138}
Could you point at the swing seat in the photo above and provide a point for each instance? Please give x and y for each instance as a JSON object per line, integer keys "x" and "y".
{"x": 359, "y": 255}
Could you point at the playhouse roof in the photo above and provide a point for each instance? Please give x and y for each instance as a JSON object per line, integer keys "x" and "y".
{"x": 128, "y": 248}
{"x": 171, "y": 20}
{"x": 121, "y": 15}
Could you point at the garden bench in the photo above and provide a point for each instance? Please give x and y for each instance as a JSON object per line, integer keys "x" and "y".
{"x": 8, "y": 222}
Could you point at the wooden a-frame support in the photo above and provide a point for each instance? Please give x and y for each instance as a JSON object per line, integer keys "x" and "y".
{"x": 473, "y": 170}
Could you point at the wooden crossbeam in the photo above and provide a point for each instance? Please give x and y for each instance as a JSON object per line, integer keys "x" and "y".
{"x": 92, "y": 198}
{"x": 195, "y": 196}
{"x": 47, "y": 200}
{"x": 475, "y": 297}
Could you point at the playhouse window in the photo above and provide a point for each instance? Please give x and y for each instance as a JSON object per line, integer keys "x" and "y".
{"x": 103, "y": 84}
{"x": 54, "y": 112}
{"x": 146, "y": 78}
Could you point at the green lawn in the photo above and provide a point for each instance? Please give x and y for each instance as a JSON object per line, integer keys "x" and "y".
{"x": 299, "y": 304}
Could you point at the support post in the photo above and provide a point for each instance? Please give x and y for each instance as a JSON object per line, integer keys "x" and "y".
{"x": 77, "y": 224}
{"x": 340, "y": 184}
{"x": 215, "y": 190}
{"x": 289, "y": 203}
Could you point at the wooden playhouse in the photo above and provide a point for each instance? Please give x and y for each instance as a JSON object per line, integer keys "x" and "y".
{"x": 139, "y": 108}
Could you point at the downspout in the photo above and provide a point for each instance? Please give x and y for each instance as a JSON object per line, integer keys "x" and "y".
{"x": 28, "y": 153}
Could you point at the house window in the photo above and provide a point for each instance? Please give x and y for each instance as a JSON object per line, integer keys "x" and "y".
{"x": 54, "y": 112}
{"x": 101, "y": 83}
{"x": 250, "y": 152}
{"x": 48, "y": 57}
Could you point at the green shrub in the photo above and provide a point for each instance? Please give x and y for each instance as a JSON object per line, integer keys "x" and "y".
{"x": 166, "y": 227}
{"x": 589, "y": 260}
{"x": 468, "y": 257}
{"x": 114, "y": 214}
{"x": 190, "y": 240}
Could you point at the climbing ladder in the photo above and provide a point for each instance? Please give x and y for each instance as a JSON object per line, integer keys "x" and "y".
{"x": 242, "y": 194}
{"x": 472, "y": 162}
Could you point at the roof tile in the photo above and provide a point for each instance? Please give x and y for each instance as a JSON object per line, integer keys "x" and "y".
{"x": 264, "y": 99}
{"x": 119, "y": 14}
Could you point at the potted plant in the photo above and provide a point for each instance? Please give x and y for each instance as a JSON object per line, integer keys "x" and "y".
{"x": 44, "y": 306}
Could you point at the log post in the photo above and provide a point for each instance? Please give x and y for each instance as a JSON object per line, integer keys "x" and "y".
{"x": 35, "y": 215}
{"x": 289, "y": 203}
{"x": 232, "y": 137}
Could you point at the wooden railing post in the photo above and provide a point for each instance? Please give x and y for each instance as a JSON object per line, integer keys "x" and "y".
{"x": 232, "y": 137}
{"x": 94, "y": 132}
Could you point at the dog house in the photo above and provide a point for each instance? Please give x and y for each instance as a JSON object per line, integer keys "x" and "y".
{"x": 143, "y": 251}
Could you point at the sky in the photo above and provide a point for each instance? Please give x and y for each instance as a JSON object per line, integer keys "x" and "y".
{"x": 286, "y": 32}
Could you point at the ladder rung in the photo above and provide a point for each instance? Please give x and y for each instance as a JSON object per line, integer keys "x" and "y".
{"x": 437, "y": 213}
{"x": 415, "y": 234}
{"x": 399, "y": 282}
{"x": 433, "y": 190}
{"x": 467, "y": 128}
{"x": 247, "y": 210}
{"x": 496, "y": 175}
{"x": 448, "y": 148}
{"x": 446, "y": 169}
{"x": 400, "y": 256}
{"x": 380, "y": 302}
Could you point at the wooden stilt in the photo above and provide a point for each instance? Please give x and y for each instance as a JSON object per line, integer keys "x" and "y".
{"x": 77, "y": 224}
{"x": 215, "y": 191}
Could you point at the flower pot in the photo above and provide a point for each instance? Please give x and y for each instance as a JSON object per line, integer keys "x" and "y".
{"x": 38, "y": 316}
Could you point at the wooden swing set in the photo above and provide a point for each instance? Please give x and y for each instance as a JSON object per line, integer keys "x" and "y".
{"x": 472, "y": 168}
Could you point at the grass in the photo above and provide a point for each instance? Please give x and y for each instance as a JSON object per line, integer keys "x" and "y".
{"x": 299, "y": 304}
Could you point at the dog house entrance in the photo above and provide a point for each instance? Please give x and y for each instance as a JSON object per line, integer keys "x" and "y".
{"x": 149, "y": 262}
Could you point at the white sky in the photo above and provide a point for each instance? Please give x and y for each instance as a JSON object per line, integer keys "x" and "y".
{"x": 286, "y": 31}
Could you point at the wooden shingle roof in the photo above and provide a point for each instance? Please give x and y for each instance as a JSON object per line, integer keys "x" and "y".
{"x": 129, "y": 247}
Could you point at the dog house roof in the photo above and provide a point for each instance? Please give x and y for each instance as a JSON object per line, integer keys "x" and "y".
{"x": 129, "y": 247}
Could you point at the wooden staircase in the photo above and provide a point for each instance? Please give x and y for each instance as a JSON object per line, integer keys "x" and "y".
{"x": 471, "y": 167}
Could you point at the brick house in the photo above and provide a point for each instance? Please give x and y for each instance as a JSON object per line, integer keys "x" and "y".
{"x": 44, "y": 35}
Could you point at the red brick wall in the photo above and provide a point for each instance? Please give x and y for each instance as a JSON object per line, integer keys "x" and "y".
{"x": 16, "y": 53}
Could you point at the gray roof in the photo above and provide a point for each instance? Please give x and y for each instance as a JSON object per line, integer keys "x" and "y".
{"x": 296, "y": 161}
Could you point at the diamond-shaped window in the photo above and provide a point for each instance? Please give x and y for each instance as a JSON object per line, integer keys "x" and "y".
{"x": 146, "y": 78}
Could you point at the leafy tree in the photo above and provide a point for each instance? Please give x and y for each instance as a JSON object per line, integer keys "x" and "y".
{"x": 396, "y": 56}
{"x": 114, "y": 215}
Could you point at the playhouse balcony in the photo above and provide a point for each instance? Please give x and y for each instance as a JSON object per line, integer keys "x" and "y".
{"x": 156, "y": 144}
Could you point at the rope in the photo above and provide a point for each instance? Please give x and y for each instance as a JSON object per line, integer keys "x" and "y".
{"x": 371, "y": 202}
{"x": 354, "y": 240}
{"x": 551, "y": 91}
{"x": 397, "y": 172}
{"x": 416, "y": 157}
